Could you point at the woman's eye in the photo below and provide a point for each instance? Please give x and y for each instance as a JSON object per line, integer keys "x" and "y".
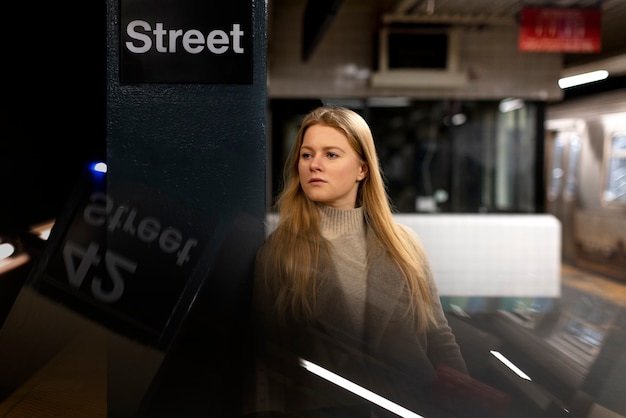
{"x": 332, "y": 155}
{"x": 305, "y": 156}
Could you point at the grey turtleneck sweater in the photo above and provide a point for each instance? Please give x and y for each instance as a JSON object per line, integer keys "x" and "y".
{"x": 345, "y": 229}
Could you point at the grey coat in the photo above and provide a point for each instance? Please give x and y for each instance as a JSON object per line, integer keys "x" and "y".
{"x": 391, "y": 358}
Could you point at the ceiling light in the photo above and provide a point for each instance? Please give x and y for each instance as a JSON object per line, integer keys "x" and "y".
{"x": 584, "y": 78}
{"x": 510, "y": 104}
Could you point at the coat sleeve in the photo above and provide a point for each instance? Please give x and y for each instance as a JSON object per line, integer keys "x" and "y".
{"x": 442, "y": 349}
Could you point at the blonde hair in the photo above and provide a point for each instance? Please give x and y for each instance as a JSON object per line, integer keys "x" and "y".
{"x": 296, "y": 245}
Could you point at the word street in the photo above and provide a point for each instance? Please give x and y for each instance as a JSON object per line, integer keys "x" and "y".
{"x": 101, "y": 210}
{"x": 192, "y": 41}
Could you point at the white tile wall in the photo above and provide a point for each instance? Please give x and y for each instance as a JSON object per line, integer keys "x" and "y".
{"x": 491, "y": 255}
{"x": 487, "y": 255}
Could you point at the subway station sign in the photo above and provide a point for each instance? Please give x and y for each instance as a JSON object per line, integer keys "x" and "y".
{"x": 569, "y": 30}
{"x": 186, "y": 41}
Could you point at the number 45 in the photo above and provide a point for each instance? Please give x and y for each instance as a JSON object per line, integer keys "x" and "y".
{"x": 113, "y": 262}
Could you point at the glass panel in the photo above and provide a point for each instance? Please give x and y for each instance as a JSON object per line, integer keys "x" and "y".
{"x": 615, "y": 187}
{"x": 439, "y": 156}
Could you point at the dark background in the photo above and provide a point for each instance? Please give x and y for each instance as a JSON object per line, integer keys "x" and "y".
{"x": 55, "y": 106}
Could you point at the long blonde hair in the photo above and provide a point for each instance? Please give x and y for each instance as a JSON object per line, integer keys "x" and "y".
{"x": 296, "y": 245}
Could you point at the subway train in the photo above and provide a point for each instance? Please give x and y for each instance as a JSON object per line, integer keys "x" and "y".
{"x": 585, "y": 163}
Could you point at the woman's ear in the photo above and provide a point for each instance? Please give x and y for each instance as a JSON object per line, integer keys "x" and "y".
{"x": 363, "y": 172}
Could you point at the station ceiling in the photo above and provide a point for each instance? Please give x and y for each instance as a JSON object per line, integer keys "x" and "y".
{"x": 613, "y": 16}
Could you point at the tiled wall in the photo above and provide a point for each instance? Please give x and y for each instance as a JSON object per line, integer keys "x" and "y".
{"x": 486, "y": 255}
{"x": 338, "y": 67}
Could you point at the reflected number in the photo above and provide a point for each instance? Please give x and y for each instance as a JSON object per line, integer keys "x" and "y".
{"x": 114, "y": 263}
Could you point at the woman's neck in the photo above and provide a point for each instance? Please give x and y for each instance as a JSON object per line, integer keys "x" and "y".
{"x": 335, "y": 222}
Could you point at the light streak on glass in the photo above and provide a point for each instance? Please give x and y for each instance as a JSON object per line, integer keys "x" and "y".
{"x": 510, "y": 365}
{"x": 358, "y": 390}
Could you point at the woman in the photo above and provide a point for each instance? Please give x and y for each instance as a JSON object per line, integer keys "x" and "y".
{"x": 341, "y": 285}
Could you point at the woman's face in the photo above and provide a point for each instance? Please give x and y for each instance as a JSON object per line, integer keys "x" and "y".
{"x": 329, "y": 169}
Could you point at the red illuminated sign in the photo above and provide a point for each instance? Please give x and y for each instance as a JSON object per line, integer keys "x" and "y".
{"x": 560, "y": 30}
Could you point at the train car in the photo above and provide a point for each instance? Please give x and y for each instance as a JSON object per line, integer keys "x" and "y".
{"x": 586, "y": 180}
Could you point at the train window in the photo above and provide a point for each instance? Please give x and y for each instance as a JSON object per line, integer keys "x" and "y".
{"x": 615, "y": 169}
{"x": 556, "y": 170}
{"x": 572, "y": 169}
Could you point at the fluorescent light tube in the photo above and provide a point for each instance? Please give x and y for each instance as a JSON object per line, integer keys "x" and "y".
{"x": 584, "y": 78}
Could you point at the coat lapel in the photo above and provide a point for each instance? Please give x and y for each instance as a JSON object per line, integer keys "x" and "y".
{"x": 385, "y": 287}
{"x": 384, "y": 292}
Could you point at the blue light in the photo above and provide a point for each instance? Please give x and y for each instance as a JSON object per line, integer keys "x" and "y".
{"x": 99, "y": 167}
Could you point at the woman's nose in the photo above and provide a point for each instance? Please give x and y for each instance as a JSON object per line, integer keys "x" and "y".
{"x": 315, "y": 164}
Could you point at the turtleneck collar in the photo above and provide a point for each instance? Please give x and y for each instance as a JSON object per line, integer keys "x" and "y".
{"x": 341, "y": 221}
